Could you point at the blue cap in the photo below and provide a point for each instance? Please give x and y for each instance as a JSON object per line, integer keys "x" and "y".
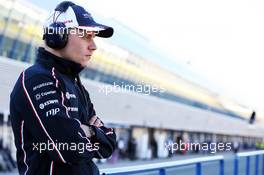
{"x": 76, "y": 16}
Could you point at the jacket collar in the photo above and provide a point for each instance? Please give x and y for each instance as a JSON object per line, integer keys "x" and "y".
{"x": 61, "y": 64}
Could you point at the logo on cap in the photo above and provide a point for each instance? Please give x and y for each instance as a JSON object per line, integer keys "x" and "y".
{"x": 87, "y": 15}
{"x": 68, "y": 21}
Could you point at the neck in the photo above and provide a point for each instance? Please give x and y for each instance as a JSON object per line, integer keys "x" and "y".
{"x": 54, "y": 52}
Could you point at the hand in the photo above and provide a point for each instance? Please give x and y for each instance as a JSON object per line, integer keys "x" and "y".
{"x": 87, "y": 130}
{"x": 96, "y": 122}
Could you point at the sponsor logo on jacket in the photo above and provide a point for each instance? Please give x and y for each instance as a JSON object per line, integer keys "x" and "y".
{"x": 52, "y": 112}
{"x": 43, "y": 94}
{"x": 73, "y": 109}
{"x": 42, "y": 105}
{"x": 69, "y": 96}
{"x": 42, "y": 85}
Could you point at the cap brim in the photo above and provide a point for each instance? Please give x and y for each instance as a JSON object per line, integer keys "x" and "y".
{"x": 103, "y": 30}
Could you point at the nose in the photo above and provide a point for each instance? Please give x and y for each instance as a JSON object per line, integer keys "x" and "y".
{"x": 92, "y": 46}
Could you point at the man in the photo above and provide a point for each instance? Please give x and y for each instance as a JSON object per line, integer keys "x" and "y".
{"x": 54, "y": 122}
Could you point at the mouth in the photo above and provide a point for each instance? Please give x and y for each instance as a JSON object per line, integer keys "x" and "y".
{"x": 88, "y": 56}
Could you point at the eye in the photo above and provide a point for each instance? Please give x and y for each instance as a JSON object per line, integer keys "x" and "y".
{"x": 83, "y": 34}
{"x": 88, "y": 35}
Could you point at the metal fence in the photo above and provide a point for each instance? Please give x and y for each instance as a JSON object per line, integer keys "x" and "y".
{"x": 160, "y": 168}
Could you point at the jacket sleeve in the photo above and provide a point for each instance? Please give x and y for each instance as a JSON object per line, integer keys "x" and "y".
{"x": 106, "y": 137}
{"x": 49, "y": 123}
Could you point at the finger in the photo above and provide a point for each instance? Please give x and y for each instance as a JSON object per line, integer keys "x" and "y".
{"x": 86, "y": 130}
{"x": 101, "y": 124}
{"x": 92, "y": 120}
{"x": 98, "y": 123}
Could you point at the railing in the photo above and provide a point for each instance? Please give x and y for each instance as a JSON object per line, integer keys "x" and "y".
{"x": 248, "y": 156}
{"x": 161, "y": 167}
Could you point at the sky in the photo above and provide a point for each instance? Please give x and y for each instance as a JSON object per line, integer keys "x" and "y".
{"x": 221, "y": 41}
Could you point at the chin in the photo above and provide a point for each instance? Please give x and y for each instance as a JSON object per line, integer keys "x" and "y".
{"x": 84, "y": 64}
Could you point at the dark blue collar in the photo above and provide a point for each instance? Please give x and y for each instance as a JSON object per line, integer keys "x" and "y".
{"x": 61, "y": 64}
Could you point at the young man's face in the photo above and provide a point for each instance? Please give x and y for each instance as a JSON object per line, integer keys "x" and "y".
{"x": 80, "y": 46}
